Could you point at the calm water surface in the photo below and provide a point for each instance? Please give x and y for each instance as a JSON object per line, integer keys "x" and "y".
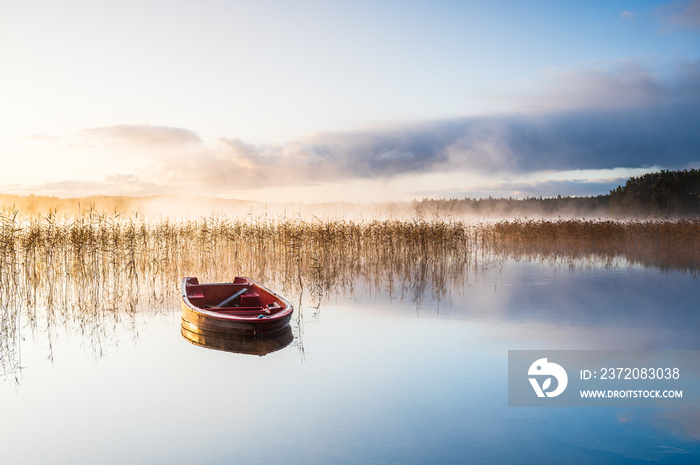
{"x": 369, "y": 378}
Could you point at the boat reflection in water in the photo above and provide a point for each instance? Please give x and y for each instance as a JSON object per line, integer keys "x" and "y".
{"x": 237, "y": 343}
{"x": 241, "y": 316}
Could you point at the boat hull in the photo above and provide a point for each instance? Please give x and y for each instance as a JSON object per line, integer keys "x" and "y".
{"x": 257, "y": 311}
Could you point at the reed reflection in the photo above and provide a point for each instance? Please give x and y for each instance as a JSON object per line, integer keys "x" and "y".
{"x": 667, "y": 245}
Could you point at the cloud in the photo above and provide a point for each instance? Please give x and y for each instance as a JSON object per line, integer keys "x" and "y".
{"x": 684, "y": 15}
{"x": 585, "y": 140}
{"x": 118, "y": 184}
{"x": 595, "y": 117}
{"x": 603, "y": 86}
{"x": 662, "y": 135}
{"x": 519, "y": 144}
{"x": 43, "y": 138}
{"x": 552, "y": 188}
{"x": 142, "y": 135}
{"x": 520, "y": 190}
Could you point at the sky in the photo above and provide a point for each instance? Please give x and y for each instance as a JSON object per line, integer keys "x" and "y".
{"x": 345, "y": 100}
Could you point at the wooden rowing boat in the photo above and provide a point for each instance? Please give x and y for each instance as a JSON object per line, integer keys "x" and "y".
{"x": 242, "y": 307}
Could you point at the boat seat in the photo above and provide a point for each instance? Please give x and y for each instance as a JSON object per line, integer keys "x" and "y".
{"x": 195, "y": 295}
{"x": 251, "y": 300}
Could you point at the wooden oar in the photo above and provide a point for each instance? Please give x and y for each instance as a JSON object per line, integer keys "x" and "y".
{"x": 223, "y": 304}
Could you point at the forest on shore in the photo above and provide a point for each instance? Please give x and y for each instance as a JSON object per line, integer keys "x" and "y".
{"x": 664, "y": 194}
{"x": 667, "y": 193}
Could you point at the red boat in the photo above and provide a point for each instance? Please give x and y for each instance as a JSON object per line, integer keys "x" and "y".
{"x": 242, "y": 307}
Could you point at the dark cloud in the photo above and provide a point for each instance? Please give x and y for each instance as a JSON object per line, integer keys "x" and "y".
{"x": 383, "y": 152}
{"x": 652, "y": 122}
{"x": 142, "y": 134}
{"x": 665, "y": 136}
{"x": 659, "y": 136}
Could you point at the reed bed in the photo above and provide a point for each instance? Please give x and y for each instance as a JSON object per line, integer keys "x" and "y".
{"x": 92, "y": 272}
{"x": 109, "y": 262}
{"x": 95, "y": 271}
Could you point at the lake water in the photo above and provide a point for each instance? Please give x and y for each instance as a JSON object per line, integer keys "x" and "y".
{"x": 371, "y": 376}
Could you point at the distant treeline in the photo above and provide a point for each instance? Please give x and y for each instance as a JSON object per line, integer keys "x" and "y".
{"x": 672, "y": 194}
{"x": 665, "y": 194}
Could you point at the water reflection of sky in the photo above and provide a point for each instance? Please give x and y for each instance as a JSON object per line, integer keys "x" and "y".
{"x": 379, "y": 380}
